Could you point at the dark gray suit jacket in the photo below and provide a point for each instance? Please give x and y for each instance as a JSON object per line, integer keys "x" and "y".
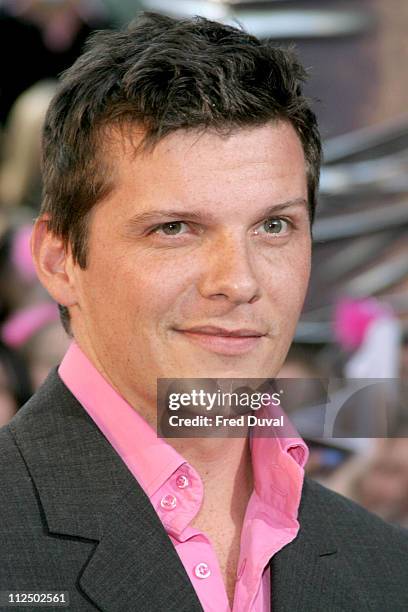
{"x": 73, "y": 518}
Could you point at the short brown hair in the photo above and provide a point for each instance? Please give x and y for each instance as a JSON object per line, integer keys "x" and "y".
{"x": 164, "y": 74}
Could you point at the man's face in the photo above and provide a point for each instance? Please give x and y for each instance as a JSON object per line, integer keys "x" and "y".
{"x": 198, "y": 261}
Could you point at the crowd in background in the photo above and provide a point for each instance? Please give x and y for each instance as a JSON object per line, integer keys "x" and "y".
{"x": 42, "y": 39}
{"x": 38, "y": 40}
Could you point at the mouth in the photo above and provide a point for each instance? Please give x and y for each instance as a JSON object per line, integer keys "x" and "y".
{"x": 224, "y": 341}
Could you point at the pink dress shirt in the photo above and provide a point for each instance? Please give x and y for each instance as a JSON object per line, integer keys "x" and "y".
{"x": 176, "y": 491}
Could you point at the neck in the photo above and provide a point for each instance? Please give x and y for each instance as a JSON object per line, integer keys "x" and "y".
{"x": 224, "y": 464}
{"x": 211, "y": 451}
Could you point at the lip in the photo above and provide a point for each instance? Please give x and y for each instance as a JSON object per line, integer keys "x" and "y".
{"x": 212, "y": 330}
{"x": 223, "y": 341}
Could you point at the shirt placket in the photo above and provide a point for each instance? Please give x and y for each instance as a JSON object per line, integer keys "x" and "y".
{"x": 177, "y": 502}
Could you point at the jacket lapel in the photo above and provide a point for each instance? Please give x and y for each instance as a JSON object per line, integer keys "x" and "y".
{"x": 87, "y": 492}
{"x": 314, "y": 572}
{"x": 135, "y": 566}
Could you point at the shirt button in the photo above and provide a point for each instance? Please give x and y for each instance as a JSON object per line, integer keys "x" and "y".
{"x": 182, "y": 481}
{"x": 168, "y": 502}
{"x": 202, "y": 570}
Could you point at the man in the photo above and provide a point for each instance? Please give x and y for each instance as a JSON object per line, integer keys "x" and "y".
{"x": 181, "y": 164}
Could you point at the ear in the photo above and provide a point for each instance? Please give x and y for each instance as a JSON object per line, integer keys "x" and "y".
{"x": 53, "y": 263}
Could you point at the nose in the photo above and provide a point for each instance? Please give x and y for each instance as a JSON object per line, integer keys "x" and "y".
{"x": 229, "y": 273}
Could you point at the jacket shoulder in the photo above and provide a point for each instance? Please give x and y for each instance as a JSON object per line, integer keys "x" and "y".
{"x": 350, "y": 523}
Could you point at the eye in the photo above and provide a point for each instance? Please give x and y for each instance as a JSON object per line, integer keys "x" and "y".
{"x": 274, "y": 226}
{"x": 171, "y": 228}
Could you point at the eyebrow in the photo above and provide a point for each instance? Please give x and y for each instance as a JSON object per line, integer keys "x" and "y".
{"x": 200, "y": 216}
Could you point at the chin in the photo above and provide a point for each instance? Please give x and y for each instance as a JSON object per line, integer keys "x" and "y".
{"x": 227, "y": 370}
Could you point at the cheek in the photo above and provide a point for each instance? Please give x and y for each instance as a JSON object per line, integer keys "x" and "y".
{"x": 287, "y": 279}
{"x": 140, "y": 288}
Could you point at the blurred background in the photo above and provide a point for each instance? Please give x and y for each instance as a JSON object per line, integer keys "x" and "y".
{"x": 355, "y": 320}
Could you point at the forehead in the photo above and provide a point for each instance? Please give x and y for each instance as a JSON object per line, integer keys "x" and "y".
{"x": 209, "y": 168}
{"x": 267, "y": 142}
